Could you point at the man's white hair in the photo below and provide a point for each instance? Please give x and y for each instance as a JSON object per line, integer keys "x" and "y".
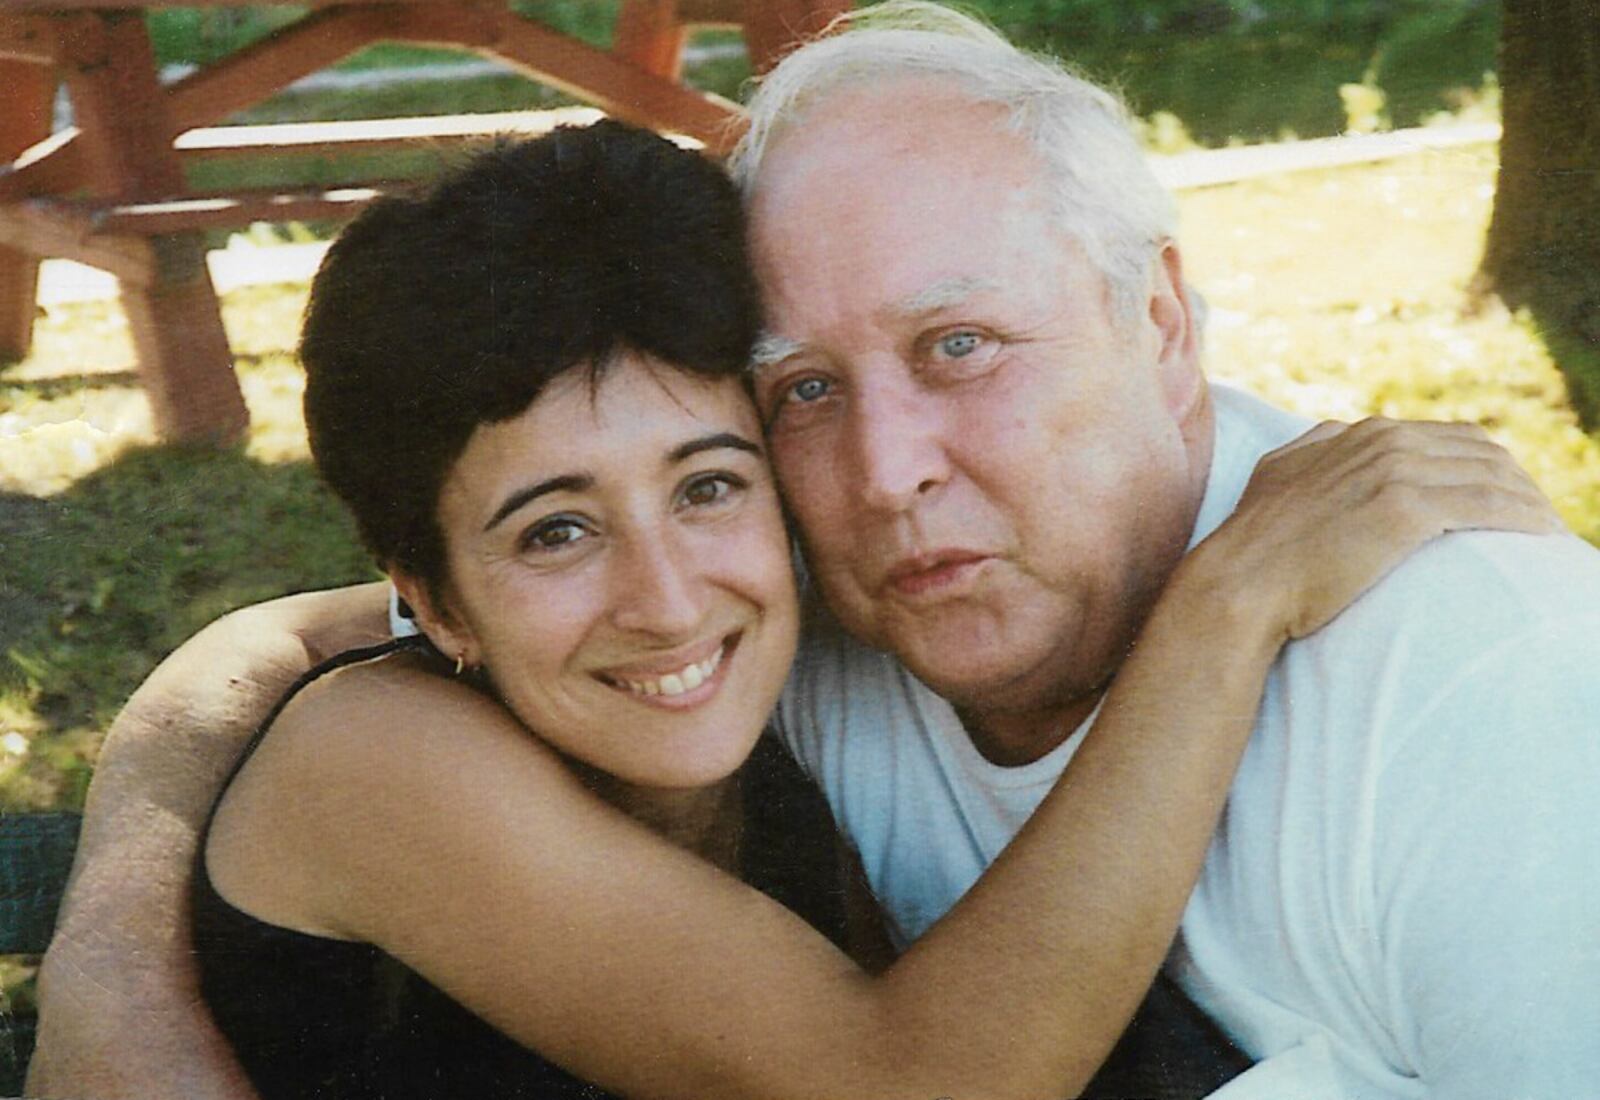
{"x": 1102, "y": 192}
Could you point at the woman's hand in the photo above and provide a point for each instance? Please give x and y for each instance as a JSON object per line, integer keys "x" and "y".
{"x": 1326, "y": 516}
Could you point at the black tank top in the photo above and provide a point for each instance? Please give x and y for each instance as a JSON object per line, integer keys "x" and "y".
{"x": 310, "y": 1017}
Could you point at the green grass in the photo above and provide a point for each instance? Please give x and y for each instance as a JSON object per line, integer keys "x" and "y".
{"x": 1337, "y": 294}
{"x": 115, "y": 549}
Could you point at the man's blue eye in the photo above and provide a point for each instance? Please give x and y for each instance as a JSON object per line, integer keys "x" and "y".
{"x": 808, "y": 389}
{"x": 959, "y": 344}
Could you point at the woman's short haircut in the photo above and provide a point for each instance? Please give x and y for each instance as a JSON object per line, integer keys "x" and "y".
{"x": 1102, "y": 193}
{"x": 436, "y": 313}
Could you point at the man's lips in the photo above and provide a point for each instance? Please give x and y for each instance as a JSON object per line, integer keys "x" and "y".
{"x": 929, "y": 574}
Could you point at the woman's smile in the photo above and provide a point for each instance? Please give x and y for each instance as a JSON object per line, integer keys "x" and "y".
{"x": 674, "y": 684}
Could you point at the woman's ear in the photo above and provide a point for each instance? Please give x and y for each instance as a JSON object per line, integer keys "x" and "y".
{"x": 434, "y": 616}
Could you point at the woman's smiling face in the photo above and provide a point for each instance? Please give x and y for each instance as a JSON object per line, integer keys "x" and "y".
{"x": 618, "y": 562}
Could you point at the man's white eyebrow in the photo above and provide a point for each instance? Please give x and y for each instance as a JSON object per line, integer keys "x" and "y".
{"x": 772, "y": 349}
{"x": 943, "y": 295}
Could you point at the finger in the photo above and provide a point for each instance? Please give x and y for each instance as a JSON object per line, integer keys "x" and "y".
{"x": 1377, "y": 437}
{"x": 1318, "y": 433}
{"x": 1500, "y": 508}
{"x": 1405, "y": 516}
{"x": 1342, "y": 449}
{"x": 1447, "y": 460}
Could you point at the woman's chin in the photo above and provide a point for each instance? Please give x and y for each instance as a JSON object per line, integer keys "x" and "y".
{"x": 676, "y": 765}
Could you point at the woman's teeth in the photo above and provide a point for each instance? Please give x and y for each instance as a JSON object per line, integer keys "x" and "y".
{"x": 685, "y": 679}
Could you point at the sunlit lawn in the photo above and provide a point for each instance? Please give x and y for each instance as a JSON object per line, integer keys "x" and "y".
{"x": 1343, "y": 294}
{"x": 1338, "y": 294}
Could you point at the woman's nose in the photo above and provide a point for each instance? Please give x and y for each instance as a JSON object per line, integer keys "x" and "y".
{"x": 657, "y": 588}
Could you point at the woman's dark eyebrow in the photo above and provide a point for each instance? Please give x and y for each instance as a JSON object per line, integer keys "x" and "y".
{"x": 568, "y": 483}
{"x": 711, "y": 443}
{"x": 577, "y": 483}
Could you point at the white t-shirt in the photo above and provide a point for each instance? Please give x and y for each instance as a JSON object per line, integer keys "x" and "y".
{"x": 1403, "y": 898}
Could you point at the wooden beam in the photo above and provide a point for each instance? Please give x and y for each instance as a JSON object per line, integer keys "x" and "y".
{"x": 30, "y": 92}
{"x": 253, "y": 73}
{"x": 650, "y": 36}
{"x": 372, "y": 134}
{"x": 235, "y": 209}
{"x": 126, "y": 137}
{"x": 26, "y": 38}
{"x": 611, "y": 84}
{"x": 43, "y": 228}
{"x": 712, "y": 13}
{"x": 473, "y": 24}
{"x": 49, "y": 6}
{"x": 55, "y": 166}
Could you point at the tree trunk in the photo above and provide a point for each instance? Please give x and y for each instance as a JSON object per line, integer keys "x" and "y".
{"x": 1543, "y": 249}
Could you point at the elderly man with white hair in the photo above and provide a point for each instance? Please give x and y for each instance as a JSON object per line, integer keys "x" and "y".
{"x": 953, "y": 238}
{"x": 981, "y": 390}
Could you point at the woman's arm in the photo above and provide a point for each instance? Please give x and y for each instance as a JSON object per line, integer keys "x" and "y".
{"x": 465, "y": 848}
{"x": 119, "y": 1012}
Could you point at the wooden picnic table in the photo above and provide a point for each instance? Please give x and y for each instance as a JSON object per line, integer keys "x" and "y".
{"x": 111, "y": 191}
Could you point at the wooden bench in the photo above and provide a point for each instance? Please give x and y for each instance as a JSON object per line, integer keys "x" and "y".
{"x": 35, "y": 859}
{"x": 113, "y": 192}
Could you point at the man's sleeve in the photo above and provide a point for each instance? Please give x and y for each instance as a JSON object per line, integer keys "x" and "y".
{"x": 1487, "y": 840}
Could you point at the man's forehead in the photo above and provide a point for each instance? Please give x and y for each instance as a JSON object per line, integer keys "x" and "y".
{"x": 940, "y": 295}
{"x": 846, "y": 131}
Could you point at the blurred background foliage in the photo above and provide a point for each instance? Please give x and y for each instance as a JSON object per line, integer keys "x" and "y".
{"x": 1229, "y": 70}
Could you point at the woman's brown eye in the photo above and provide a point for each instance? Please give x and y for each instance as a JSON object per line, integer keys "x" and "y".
{"x": 553, "y": 534}
{"x": 709, "y": 490}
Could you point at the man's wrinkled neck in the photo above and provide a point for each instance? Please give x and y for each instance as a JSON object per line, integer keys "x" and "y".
{"x": 1016, "y": 739}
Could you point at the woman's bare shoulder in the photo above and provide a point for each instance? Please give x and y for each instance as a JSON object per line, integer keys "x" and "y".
{"x": 360, "y": 761}
{"x": 384, "y": 712}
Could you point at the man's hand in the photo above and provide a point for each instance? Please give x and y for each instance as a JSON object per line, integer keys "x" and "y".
{"x": 120, "y": 1014}
{"x": 1326, "y": 516}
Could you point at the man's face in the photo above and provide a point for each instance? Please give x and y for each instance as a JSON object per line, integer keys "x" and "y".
{"x": 992, "y": 476}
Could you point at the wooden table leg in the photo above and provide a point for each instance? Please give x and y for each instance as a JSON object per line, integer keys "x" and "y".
{"x": 24, "y": 119}
{"x": 127, "y": 137}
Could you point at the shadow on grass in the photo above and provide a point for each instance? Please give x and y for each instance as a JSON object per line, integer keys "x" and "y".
{"x": 1575, "y": 349}
{"x": 100, "y": 582}
{"x": 65, "y": 385}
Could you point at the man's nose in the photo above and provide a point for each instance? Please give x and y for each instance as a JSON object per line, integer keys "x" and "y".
{"x": 897, "y": 437}
{"x": 656, "y": 587}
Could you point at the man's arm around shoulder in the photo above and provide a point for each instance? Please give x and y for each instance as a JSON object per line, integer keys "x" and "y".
{"x": 120, "y": 1014}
